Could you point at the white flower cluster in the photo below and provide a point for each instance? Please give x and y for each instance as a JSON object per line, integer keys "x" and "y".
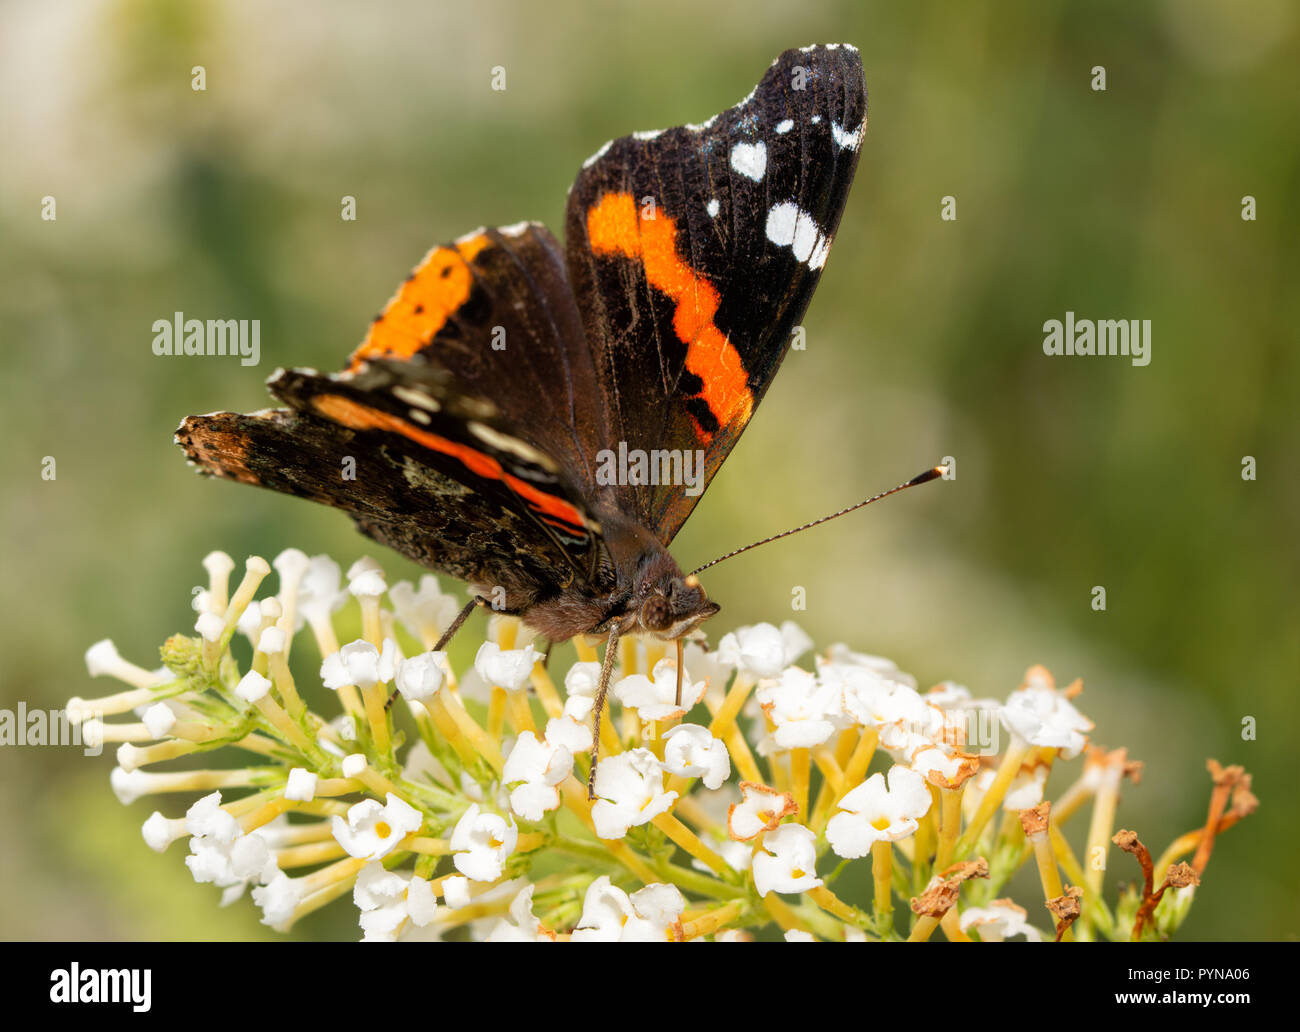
{"x": 704, "y": 813}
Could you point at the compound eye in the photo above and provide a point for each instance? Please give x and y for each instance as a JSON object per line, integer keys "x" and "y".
{"x": 656, "y": 614}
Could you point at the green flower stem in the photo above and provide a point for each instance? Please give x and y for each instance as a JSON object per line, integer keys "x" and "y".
{"x": 882, "y": 864}
{"x": 697, "y": 881}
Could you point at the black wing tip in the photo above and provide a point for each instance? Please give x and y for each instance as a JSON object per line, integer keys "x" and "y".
{"x": 844, "y": 49}
{"x": 841, "y": 63}
{"x": 841, "y": 54}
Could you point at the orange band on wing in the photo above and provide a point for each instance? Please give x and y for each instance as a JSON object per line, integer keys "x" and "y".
{"x": 614, "y": 226}
{"x": 362, "y": 417}
{"x": 420, "y": 308}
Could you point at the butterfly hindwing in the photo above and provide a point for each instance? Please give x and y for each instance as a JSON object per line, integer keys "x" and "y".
{"x": 419, "y": 464}
{"x": 694, "y": 251}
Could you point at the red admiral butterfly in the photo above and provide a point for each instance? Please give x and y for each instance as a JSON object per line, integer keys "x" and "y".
{"x": 484, "y": 403}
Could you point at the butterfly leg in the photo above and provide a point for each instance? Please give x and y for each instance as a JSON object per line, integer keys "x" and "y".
{"x": 447, "y": 635}
{"x": 602, "y": 689}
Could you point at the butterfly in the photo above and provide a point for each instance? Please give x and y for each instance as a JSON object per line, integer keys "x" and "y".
{"x": 539, "y": 419}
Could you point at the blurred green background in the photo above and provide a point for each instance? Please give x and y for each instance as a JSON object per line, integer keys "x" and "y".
{"x": 924, "y": 340}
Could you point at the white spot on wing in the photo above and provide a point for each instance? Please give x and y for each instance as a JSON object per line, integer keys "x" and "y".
{"x": 420, "y": 416}
{"x": 818, "y": 258}
{"x": 701, "y": 126}
{"x": 515, "y": 229}
{"x": 646, "y": 134}
{"x": 598, "y": 155}
{"x": 790, "y": 226}
{"x": 805, "y": 236}
{"x": 713, "y": 207}
{"x": 750, "y": 159}
{"x": 785, "y": 126}
{"x": 780, "y": 223}
{"x": 844, "y": 138}
{"x": 413, "y": 397}
{"x": 471, "y": 235}
{"x": 506, "y": 443}
{"x": 815, "y": 119}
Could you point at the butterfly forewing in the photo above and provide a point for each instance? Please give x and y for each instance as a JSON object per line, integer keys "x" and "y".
{"x": 694, "y": 252}
{"x": 494, "y": 310}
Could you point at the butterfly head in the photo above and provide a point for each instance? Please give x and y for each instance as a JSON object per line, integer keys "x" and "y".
{"x": 674, "y": 605}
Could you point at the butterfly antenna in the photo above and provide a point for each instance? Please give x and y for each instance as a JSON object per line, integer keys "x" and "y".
{"x": 930, "y": 474}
